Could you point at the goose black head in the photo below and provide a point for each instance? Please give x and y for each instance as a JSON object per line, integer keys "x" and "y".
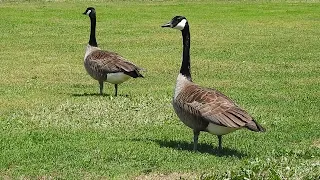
{"x": 90, "y": 11}
{"x": 178, "y": 22}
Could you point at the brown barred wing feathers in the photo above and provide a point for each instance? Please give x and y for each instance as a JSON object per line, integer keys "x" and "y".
{"x": 214, "y": 107}
{"x": 110, "y": 62}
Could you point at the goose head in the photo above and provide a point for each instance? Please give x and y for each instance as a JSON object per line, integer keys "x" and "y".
{"x": 91, "y": 12}
{"x": 178, "y": 22}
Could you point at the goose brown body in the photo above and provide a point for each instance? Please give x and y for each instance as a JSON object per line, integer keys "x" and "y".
{"x": 101, "y": 64}
{"x": 197, "y": 107}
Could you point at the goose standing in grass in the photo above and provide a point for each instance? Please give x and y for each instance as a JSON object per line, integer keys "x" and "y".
{"x": 204, "y": 109}
{"x": 104, "y": 65}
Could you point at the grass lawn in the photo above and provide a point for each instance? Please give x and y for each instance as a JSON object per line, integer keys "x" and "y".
{"x": 264, "y": 55}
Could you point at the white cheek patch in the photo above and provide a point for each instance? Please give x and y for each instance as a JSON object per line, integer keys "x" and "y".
{"x": 181, "y": 24}
{"x": 88, "y": 12}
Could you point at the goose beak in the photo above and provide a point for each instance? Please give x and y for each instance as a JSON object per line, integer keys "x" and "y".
{"x": 84, "y": 13}
{"x": 167, "y": 25}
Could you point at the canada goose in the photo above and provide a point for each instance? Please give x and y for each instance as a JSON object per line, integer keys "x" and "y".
{"x": 104, "y": 65}
{"x": 200, "y": 108}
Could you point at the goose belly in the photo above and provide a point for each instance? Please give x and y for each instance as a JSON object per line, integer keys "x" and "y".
{"x": 117, "y": 78}
{"x": 219, "y": 130}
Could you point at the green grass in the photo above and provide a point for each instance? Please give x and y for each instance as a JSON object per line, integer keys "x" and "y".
{"x": 263, "y": 54}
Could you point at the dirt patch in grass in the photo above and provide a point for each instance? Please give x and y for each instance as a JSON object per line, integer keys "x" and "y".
{"x": 316, "y": 143}
{"x": 170, "y": 176}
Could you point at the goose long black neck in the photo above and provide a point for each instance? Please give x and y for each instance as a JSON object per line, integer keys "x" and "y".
{"x": 92, "y": 40}
{"x": 185, "y": 66}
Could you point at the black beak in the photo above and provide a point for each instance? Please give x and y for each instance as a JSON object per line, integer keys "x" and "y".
{"x": 167, "y": 25}
{"x": 84, "y": 13}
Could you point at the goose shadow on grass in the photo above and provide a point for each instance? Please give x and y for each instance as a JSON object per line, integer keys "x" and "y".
{"x": 202, "y": 148}
{"x": 96, "y": 94}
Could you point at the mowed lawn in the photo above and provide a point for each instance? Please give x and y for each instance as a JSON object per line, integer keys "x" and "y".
{"x": 54, "y": 125}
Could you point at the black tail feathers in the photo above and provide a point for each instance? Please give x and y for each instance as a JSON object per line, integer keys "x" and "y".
{"x": 254, "y": 126}
{"x": 134, "y": 74}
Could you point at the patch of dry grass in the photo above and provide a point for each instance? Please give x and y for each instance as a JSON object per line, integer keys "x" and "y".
{"x": 168, "y": 176}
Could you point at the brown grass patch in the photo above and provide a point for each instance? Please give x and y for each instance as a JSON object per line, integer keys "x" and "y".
{"x": 316, "y": 143}
{"x": 170, "y": 176}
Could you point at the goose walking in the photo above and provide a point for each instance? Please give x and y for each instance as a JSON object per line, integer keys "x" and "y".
{"x": 104, "y": 65}
{"x": 204, "y": 109}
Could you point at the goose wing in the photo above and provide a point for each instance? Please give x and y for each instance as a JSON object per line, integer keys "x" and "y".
{"x": 110, "y": 62}
{"x": 213, "y": 106}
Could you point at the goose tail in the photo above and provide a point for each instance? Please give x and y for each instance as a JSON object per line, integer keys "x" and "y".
{"x": 134, "y": 74}
{"x": 254, "y": 126}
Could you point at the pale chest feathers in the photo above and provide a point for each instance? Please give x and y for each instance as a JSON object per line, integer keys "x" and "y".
{"x": 182, "y": 82}
{"x": 89, "y": 50}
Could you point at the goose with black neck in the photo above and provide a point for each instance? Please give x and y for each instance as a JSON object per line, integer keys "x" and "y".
{"x": 104, "y": 65}
{"x": 200, "y": 108}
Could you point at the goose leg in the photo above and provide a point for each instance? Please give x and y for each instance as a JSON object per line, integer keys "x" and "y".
{"x": 101, "y": 87}
{"x": 220, "y": 142}
{"x": 116, "y": 90}
{"x": 195, "y": 139}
